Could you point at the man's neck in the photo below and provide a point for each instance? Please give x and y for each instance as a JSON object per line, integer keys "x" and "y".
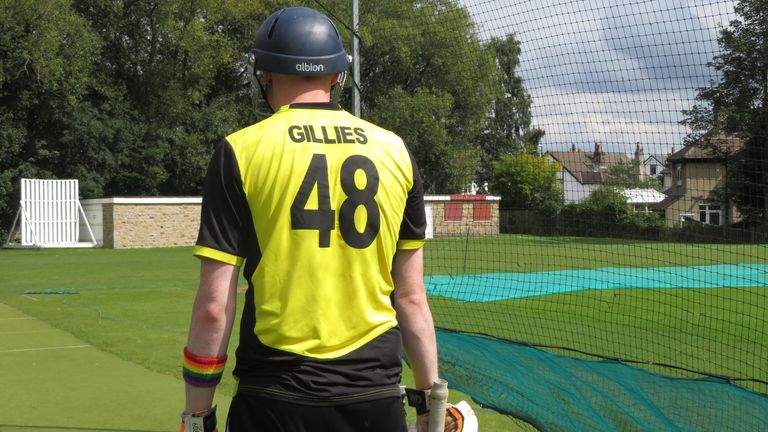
{"x": 288, "y": 90}
{"x": 312, "y": 96}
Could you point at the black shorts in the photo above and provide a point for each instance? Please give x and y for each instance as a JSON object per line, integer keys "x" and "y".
{"x": 258, "y": 414}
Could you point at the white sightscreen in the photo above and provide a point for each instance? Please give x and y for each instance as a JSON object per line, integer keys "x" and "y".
{"x": 50, "y": 212}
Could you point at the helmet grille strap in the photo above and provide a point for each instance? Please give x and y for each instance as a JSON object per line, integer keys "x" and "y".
{"x": 263, "y": 92}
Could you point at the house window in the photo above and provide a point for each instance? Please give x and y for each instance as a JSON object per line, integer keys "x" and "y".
{"x": 653, "y": 169}
{"x": 481, "y": 211}
{"x": 709, "y": 214}
{"x": 679, "y": 174}
{"x": 453, "y": 211}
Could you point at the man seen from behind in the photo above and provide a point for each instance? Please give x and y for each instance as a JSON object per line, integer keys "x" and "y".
{"x": 324, "y": 212}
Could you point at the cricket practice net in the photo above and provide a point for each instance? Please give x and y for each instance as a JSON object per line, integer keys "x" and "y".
{"x": 627, "y": 286}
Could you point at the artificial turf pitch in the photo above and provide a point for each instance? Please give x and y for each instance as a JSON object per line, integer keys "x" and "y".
{"x": 54, "y": 381}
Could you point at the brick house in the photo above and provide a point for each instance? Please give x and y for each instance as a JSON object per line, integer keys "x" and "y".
{"x": 694, "y": 175}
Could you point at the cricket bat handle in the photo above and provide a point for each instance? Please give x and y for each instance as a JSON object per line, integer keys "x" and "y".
{"x": 438, "y": 402}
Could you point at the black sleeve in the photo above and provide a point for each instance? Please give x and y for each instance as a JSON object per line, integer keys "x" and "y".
{"x": 414, "y": 224}
{"x": 225, "y": 218}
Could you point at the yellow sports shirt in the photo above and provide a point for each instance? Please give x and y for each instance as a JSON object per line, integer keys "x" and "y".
{"x": 314, "y": 202}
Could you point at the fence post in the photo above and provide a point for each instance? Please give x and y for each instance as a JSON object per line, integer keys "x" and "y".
{"x": 355, "y": 60}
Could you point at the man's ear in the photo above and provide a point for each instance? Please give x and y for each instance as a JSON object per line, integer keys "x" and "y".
{"x": 335, "y": 79}
{"x": 267, "y": 77}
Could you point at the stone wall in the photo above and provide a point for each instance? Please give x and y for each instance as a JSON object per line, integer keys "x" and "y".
{"x": 147, "y": 222}
{"x": 158, "y": 225}
{"x": 166, "y": 222}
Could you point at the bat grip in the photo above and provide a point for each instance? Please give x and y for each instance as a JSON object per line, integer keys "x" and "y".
{"x": 438, "y": 402}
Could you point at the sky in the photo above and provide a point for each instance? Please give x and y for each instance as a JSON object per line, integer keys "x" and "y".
{"x": 615, "y": 72}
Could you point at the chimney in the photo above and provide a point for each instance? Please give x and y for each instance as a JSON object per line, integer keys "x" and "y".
{"x": 598, "y": 155}
{"x": 639, "y": 157}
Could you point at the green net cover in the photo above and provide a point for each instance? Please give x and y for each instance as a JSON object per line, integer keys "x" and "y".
{"x": 562, "y": 393}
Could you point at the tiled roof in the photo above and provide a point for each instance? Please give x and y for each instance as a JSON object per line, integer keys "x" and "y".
{"x": 582, "y": 165}
{"x": 715, "y": 147}
{"x": 673, "y": 194}
{"x": 668, "y": 201}
{"x": 591, "y": 177}
{"x": 675, "y": 191}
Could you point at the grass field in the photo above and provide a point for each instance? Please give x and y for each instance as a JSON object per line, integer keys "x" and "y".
{"x": 718, "y": 330}
{"x": 130, "y": 306}
{"x": 134, "y": 306}
{"x": 518, "y": 253}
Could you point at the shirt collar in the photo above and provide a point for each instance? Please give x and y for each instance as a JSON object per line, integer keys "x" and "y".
{"x": 315, "y": 105}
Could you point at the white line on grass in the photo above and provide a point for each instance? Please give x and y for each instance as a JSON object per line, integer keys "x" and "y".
{"x": 46, "y": 348}
{"x": 28, "y": 331}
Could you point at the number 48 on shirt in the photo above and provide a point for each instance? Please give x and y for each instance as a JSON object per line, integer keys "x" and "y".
{"x": 323, "y": 217}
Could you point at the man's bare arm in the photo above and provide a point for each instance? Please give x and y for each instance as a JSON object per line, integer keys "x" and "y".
{"x": 414, "y": 316}
{"x": 213, "y": 315}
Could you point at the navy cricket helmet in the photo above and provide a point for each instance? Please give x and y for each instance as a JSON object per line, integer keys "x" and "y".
{"x": 299, "y": 41}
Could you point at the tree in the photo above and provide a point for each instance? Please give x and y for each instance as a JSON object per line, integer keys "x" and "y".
{"x": 180, "y": 66}
{"x": 606, "y": 205}
{"x": 130, "y": 97}
{"x": 601, "y": 212}
{"x": 527, "y": 181}
{"x": 47, "y": 63}
{"x": 426, "y": 76}
{"x": 626, "y": 175}
{"x": 508, "y": 127}
{"x": 127, "y": 97}
{"x": 738, "y": 105}
{"x": 416, "y": 118}
{"x": 607, "y": 209}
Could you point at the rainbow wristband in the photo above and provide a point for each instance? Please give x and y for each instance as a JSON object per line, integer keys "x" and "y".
{"x": 202, "y": 371}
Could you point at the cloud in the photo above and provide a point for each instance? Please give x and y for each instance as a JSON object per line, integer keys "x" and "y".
{"x": 614, "y": 121}
{"x": 617, "y": 72}
{"x": 669, "y": 44}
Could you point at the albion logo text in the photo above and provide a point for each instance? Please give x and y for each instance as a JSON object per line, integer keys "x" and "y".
{"x": 310, "y": 67}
